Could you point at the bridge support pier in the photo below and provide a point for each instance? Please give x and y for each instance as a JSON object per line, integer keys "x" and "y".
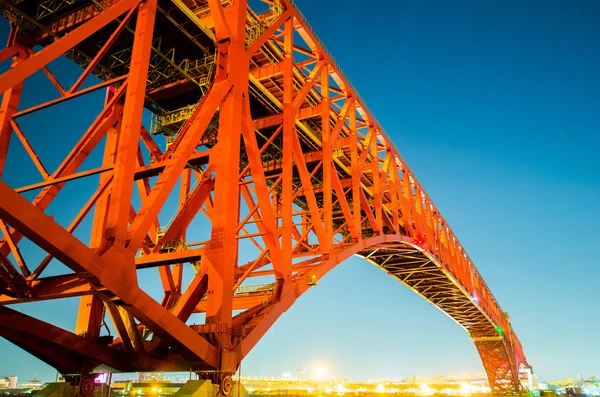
{"x": 499, "y": 364}
{"x": 206, "y": 388}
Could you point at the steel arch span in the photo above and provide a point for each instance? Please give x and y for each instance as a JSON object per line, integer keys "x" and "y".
{"x": 261, "y": 141}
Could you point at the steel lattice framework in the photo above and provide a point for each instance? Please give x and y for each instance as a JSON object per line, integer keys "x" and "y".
{"x": 266, "y": 141}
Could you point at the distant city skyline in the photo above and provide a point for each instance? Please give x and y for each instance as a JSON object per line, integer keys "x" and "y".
{"x": 183, "y": 376}
{"x": 495, "y": 108}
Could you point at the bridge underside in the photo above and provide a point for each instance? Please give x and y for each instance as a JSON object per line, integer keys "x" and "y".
{"x": 419, "y": 271}
{"x": 278, "y": 170}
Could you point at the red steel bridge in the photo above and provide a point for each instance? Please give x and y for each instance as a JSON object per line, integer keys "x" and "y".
{"x": 257, "y": 136}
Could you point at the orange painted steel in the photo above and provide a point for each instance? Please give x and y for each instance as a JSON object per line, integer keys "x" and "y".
{"x": 266, "y": 141}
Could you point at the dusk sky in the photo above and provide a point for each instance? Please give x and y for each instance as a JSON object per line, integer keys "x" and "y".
{"x": 495, "y": 105}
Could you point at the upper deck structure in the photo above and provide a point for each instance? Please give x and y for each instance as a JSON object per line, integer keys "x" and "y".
{"x": 260, "y": 137}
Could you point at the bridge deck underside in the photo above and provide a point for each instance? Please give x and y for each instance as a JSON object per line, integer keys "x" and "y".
{"x": 420, "y": 273}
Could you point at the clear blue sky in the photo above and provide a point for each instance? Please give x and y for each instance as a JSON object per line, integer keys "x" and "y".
{"x": 496, "y": 107}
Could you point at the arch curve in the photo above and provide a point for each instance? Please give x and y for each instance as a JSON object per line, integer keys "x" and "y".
{"x": 419, "y": 270}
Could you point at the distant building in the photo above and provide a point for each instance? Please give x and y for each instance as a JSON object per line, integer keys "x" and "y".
{"x": 145, "y": 389}
{"x": 34, "y": 384}
{"x": 150, "y": 377}
{"x": 9, "y": 382}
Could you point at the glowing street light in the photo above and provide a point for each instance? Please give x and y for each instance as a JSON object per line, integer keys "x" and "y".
{"x": 320, "y": 372}
{"x": 425, "y": 389}
{"x": 465, "y": 389}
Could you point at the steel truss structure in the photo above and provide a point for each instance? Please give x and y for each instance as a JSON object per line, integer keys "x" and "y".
{"x": 267, "y": 142}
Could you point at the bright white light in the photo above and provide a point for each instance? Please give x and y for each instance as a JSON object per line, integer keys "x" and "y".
{"x": 465, "y": 388}
{"x": 320, "y": 372}
{"x": 425, "y": 390}
{"x": 380, "y": 388}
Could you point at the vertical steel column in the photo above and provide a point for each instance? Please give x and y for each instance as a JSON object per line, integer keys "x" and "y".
{"x": 289, "y": 129}
{"x": 327, "y": 160}
{"x": 126, "y": 158}
{"x": 10, "y": 100}
{"x": 375, "y": 172}
{"x": 222, "y": 250}
{"x": 356, "y": 171}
